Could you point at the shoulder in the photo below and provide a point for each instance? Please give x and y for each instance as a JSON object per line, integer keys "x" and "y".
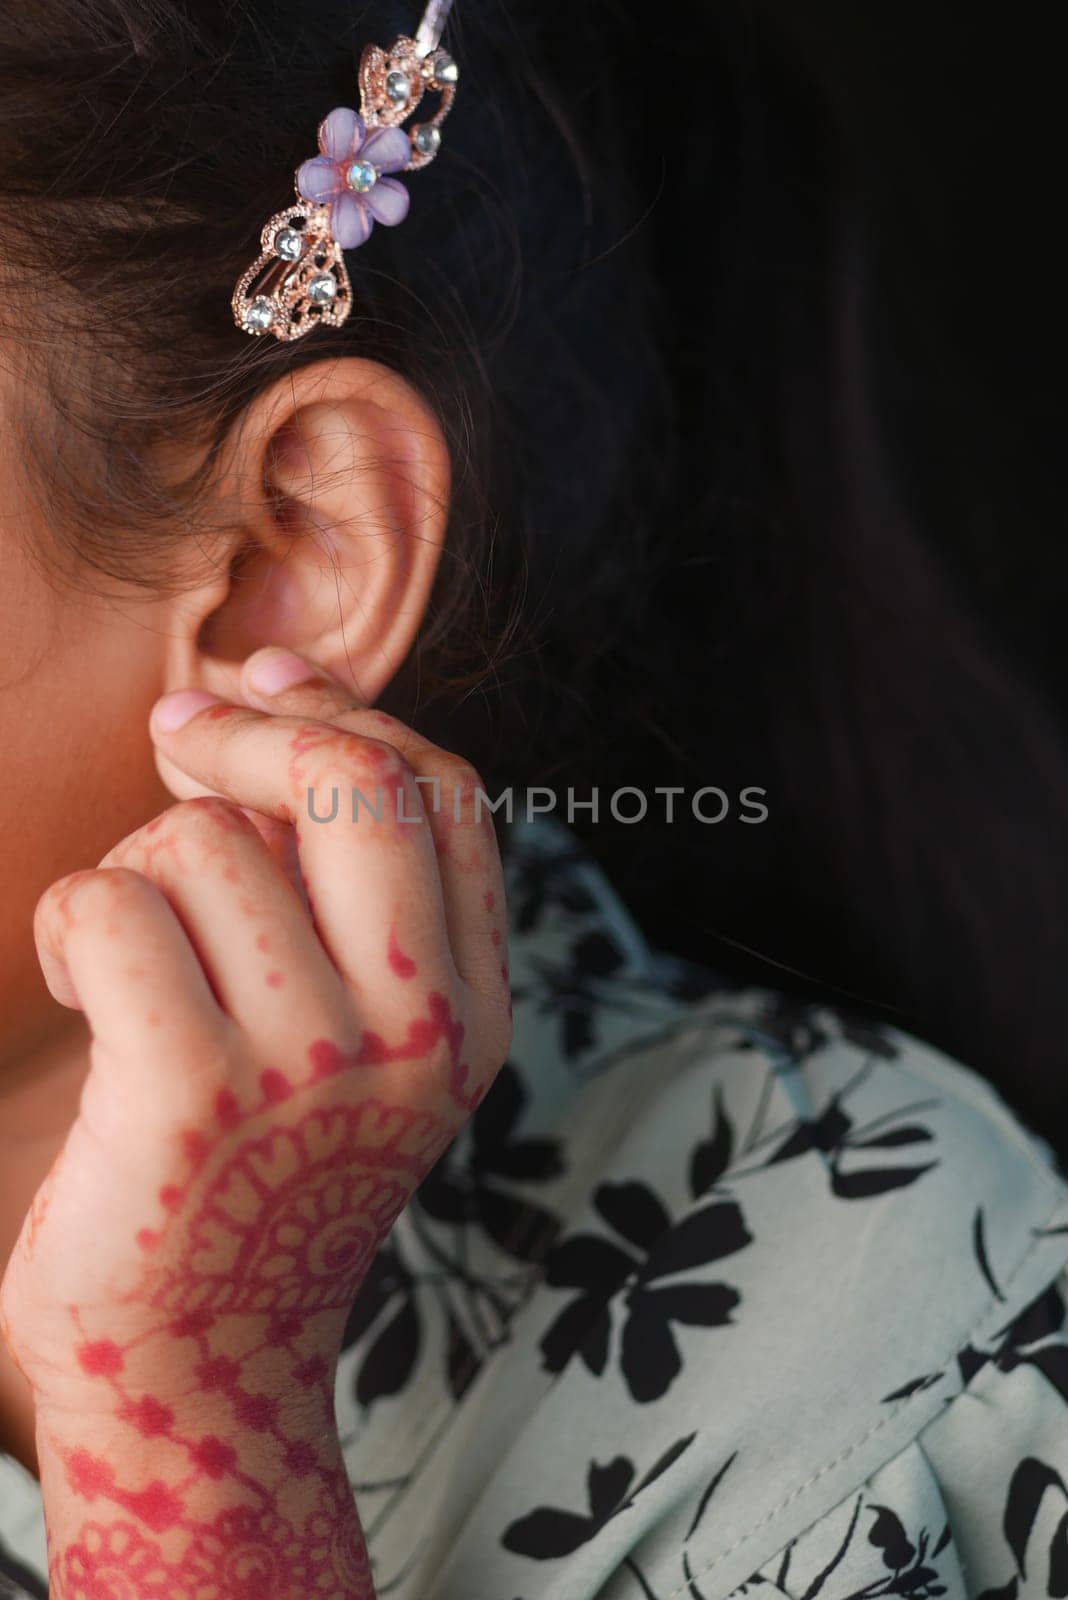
{"x": 975, "y": 1504}
{"x": 749, "y": 1262}
{"x": 839, "y": 1140}
{"x": 793, "y": 1242}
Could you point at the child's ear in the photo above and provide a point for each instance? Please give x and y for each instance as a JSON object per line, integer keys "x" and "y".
{"x": 333, "y": 493}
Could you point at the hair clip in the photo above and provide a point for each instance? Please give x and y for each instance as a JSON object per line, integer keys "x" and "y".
{"x": 300, "y": 281}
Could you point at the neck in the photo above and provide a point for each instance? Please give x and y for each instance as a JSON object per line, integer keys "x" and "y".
{"x": 39, "y": 1091}
{"x": 40, "y": 1084}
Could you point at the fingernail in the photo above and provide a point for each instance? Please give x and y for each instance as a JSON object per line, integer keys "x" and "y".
{"x": 272, "y": 670}
{"x": 173, "y": 711}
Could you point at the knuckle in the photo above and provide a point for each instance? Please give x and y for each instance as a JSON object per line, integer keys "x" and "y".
{"x": 58, "y": 895}
{"x": 460, "y": 773}
{"x": 353, "y": 760}
{"x": 203, "y": 823}
{"x": 86, "y": 896}
{"x": 209, "y": 815}
{"x": 459, "y": 785}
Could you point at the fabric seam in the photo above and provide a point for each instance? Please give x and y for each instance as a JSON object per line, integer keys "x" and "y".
{"x": 884, "y": 1421}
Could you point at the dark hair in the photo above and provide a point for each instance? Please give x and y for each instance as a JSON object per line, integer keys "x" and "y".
{"x": 142, "y": 145}
{"x": 724, "y": 313}
{"x": 862, "y": 604}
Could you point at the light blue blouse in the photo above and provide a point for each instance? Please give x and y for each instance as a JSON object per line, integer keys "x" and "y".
{"x": 718, "y": 1292}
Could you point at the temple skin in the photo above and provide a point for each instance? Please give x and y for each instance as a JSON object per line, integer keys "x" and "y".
{"x": 290, "y": 1022}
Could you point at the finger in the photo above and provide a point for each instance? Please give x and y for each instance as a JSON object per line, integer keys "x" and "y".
{"x": 280, "y": 841}
{"x": 460, "y": 822}
{"x": 249, "y": 928}
{"x": 369, "y": 866}
{"x": 111, "y": 937}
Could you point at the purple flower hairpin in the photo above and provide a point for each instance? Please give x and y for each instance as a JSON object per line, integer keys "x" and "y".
{"x": 300, "y": 281}
{"x": 350, "y": 176}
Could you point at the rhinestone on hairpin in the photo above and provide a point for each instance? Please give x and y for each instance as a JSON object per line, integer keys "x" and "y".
{"x": 300, "y": 282}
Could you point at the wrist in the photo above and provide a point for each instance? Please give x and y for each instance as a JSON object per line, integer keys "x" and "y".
{"x": 212, "y": 1510}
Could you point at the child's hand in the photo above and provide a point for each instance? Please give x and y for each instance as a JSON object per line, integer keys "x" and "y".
{"x": 266, "y": 1089}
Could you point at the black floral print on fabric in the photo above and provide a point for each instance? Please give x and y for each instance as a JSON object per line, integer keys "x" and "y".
{"x": 648, "y": 1248}
{"x": 473, "y": 1193}
{"x": 553, "y": 1531}
{"x": 720, "y": 1291}
{"x": 1033, "y": 1482}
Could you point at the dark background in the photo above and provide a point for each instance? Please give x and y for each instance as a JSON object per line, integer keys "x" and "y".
{"x": 852, "y": 584}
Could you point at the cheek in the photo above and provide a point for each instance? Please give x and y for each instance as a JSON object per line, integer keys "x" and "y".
{"x": 76, "y": 766}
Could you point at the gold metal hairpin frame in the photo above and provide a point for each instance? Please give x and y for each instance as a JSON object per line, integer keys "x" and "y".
{"x": 299, "y": 281}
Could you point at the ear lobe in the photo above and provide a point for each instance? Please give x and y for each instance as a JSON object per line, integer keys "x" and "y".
{"x": 342, "y": 531}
